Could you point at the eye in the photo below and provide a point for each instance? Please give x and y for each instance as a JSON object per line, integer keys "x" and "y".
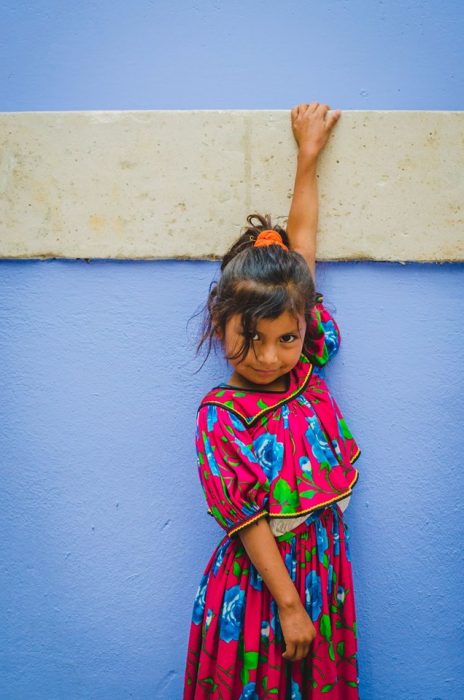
{"x": 288, "y": 338}
{"x": 253, "y": 337}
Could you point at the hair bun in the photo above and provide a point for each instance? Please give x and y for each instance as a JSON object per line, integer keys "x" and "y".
{"x": 269, "y": 237}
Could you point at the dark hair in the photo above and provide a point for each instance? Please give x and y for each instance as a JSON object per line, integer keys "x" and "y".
{"x": 257, "y": 282}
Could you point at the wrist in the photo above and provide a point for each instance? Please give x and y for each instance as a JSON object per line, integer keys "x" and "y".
{"x": 289, "y": 602}
{"x": 307, "y": 158}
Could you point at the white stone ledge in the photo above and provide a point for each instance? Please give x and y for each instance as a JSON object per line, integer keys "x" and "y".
{"x": 179, "y": 184}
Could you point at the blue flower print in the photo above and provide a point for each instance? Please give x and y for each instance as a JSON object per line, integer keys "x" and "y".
{"x": 270, "y": 453}
{"x": 199, "y": 602}
{"x": 256, "y": 580}
{"x": 231, "y": 614}
{"x": 265, "y": 630}
{"x": 304, "y": 402}
{"x": 321, "y": 539}
{"x": 306, "y": 467}
{"x": 237, "y": 423}
{"x": 285, "y": 413}
{"x": 313, "y": 595}
{"x": 330, "y": 337}
{"x": 290, "y": 561}
{"x": 336, "y": 533}
{"x": 337, "y": 450}
{"x": 247, "y": 510}
{"x": 341, "y": 594}
{"x": 249, "y": 692}
{"x": 296, "y": 693}
{"x": 319, "y": 445}
{"x": 347, "y": 542}
{"x": 330, "y": 573}
{"x": 211, "y": 417}
{"x": 249, "y": 454}
{"x": 209, "y": 617}
{"x": 210, "y": 457}
{"x": 219, "y": 557}
{"x": 275, "y": 622}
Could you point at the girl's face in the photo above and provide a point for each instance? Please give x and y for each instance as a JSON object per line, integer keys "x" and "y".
{"x": 275, "y": 350}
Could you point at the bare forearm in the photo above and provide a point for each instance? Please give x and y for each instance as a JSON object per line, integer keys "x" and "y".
{"x": 311, "y": 125}
{"x": 297, "y": 627}
{"x": 261, "y": 547}
{"x": 304, "y": 210}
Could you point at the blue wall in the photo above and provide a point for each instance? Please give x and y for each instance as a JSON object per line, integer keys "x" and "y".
{"x": 104, "y": 525}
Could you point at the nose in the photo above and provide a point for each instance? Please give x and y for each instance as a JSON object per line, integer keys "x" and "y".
{"x": 267, "y": 357}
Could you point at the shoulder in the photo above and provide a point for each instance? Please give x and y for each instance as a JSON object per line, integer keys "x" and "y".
{"x": 226, "y": 401}
{"x": 323, "y": 336}
{"x": 215, "y": 417}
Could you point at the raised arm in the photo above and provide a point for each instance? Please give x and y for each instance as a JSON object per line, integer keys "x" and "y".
{"x": 311, "y": 126}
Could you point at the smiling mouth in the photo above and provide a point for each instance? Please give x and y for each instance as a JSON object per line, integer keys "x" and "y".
{"x": 266, "y": 371}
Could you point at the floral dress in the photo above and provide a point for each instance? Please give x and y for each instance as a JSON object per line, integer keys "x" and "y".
{"x": 276, "y": 455}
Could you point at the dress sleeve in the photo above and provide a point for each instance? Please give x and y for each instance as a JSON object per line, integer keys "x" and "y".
{"x": 324, "y": 333}
{"x": 234, "y": 483}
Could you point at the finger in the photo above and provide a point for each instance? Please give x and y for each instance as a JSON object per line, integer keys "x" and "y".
{"x": 298, "y": 110}
{"x": 289, "y": 652}
{"x": 300, "y": 652}
{"x": 313, "y": 106}
{"x": 333, "y": 117}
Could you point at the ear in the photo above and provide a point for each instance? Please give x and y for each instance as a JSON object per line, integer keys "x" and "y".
{"x": 218, "y": 333}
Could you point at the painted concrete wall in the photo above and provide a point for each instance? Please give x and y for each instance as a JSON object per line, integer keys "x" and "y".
{"x": 110, "y": 184}
{"x": 104, "y": 526}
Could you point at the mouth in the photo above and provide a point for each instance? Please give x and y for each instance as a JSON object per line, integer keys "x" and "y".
{"x": 265, "y": 372}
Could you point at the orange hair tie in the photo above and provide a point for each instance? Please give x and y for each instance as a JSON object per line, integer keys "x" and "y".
{"x": 269, "y": 237}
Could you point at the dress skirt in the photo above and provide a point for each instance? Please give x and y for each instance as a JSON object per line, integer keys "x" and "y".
{"x": 236, "y": 643}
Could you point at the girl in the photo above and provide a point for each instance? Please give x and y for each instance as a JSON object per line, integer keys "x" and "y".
{"x": 274, "y": 615}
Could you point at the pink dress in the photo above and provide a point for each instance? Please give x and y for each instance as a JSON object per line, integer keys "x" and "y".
{"x": 280, "y": 456}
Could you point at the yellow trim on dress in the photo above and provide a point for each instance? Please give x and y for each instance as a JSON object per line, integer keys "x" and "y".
{"x": 338, "y": 497}
{"x": 236, "y": 528}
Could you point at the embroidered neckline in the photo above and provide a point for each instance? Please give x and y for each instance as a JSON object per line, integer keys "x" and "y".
{"x": 288, "y": 380}
{"x": 250, "y": 405}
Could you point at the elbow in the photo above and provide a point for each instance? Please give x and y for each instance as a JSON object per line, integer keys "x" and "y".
{"x": 310, "y": 258}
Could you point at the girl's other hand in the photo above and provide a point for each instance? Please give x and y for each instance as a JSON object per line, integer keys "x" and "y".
{"x": 311, "y": 126}
{"x": 298, "y": 630}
